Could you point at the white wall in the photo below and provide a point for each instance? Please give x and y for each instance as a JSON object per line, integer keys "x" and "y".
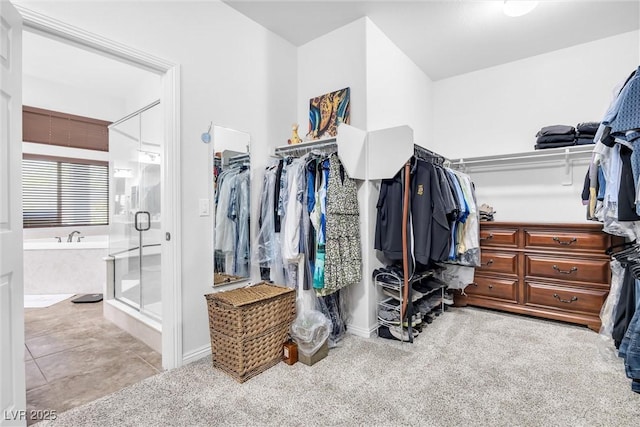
{"x": 387, "y": 90}
{"x": 398, "y": 92}
{"x": 38, "y": 91}
{"x": 42, "y": 93}
{"x": 534, "y": 194}
{"x": 332, "y": 62}
{"x": 499, "y": 109}
{"x": 234, "y": 73}
{"x": 147, "y": 92}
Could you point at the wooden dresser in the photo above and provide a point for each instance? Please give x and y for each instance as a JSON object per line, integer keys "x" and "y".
{"x": 555, "y": 271}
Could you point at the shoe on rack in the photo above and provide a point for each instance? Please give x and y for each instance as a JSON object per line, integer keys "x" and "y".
{"x": 389, "y": 316}
{"x": 448, "y": 298}
{"x": 384, "y": 332}
{"x": 416, "y": 294}
{"x": 402, "y": 334}
{"x": 415, "y": 322}
{"x": 396, "y": 295}
{"x": 426, "y": 305}
{"x": 387, "y": 277}
{"x": 427, "y": 287}
{"x": 428, "y": 318}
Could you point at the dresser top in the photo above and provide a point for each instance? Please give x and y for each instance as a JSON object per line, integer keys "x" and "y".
{"x": 594, "y": 226}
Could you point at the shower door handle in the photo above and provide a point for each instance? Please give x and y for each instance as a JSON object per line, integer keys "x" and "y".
{"x": 137, "y": 222}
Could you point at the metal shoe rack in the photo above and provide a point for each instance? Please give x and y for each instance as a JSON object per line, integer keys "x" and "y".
{"x": 394, "y": 283}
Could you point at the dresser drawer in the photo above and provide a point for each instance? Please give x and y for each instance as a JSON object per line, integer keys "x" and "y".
{"x": 498, "y": 262}
{"x": 504, "y": 289}
{"x": 570, "y": 269}
{"x": 564, "y": 298}
{"x": 566, "y": 240}
{"x": 502, "y": 237}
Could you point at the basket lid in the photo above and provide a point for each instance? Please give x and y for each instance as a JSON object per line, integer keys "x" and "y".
{"x": 243, "y": 296}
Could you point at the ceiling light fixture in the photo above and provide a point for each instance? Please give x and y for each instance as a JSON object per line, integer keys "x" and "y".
{"x": 518, "y": 7}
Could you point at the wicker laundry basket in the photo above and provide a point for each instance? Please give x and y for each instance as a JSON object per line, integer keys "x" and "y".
{"x": 248, "y": 327}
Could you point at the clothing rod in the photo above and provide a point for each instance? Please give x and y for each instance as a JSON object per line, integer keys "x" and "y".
{"x": 310, "y": 146}
{"x": 135, "y": 113}
{"x": 421, "y": 151}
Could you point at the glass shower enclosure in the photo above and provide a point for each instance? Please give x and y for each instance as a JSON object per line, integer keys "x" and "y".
{"x": 135, "y": 236}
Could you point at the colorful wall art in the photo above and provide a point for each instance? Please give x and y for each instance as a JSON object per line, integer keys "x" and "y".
{"x": 326, "y": 112}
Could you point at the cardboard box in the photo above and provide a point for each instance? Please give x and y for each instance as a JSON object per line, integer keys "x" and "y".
{"x": 315, "y": 357}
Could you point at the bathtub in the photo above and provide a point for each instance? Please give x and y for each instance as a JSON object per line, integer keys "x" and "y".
{"x": 52, "y": 267}
{"x": 86, "y": 242}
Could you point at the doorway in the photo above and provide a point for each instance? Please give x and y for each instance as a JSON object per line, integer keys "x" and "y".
{"x": 71, "y": 345}
{"x": 162, "y": 170}
{"x": 170, "y": 162}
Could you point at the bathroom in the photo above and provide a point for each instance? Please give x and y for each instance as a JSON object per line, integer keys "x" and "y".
{"x": 91, "y": 220}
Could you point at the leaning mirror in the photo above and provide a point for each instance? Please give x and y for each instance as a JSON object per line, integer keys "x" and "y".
{"x": 232, "y": 205}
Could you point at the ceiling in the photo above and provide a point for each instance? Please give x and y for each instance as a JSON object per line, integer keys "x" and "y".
{"x": 62, "y": 63}
{"x": 444, "y": 38}
{"x": 447, "y": 38}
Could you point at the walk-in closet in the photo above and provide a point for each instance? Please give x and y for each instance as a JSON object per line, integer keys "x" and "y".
{"x": 373, "y": 212}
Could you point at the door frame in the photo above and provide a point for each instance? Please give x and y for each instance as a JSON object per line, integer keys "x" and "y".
{"x": 171, "y": 194}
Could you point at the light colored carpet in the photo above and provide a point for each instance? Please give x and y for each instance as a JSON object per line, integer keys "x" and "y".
{"x": 469, "y": 367}
{"x": 41, "y": 301}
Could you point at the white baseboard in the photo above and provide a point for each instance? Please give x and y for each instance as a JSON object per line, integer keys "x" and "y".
{"x": 362, "y": 332}
{"x": 196, "y": 354}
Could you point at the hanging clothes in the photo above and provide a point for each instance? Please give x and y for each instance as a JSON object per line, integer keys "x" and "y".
{"x": 442, "y": 200}
{"x": 343, "y": 252}
{"x": 306, "y": 221}
{"x": 431, "y": 228}
{"x": 388, "y": 233}
{"x": 232, "y": 221}
{"x": 309, "y": 214}
{"x": 318, "y": 219}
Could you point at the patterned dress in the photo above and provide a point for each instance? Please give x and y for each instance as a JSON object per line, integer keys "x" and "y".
{"x": 343, "y": 257}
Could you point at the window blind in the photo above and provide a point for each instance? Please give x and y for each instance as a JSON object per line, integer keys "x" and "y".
{"x": 66, "y": 130}
{"x": 64, "y": 192}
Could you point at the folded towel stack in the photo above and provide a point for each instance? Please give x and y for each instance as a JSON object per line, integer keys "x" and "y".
{"x": 586, "y": 132}
{"x": 564, "y": 136}
{"x": 555, "y": 136}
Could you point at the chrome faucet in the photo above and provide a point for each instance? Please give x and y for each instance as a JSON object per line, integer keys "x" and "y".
{"x": 70, "y": 237}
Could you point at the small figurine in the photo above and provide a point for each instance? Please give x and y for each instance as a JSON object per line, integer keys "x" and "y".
{"x": 295, "y": 139}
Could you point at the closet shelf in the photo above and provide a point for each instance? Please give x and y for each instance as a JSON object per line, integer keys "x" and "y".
{"x": 538, "y": 156}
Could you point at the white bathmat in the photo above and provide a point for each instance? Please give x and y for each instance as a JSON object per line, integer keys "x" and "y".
{"x": 40, "y": 301}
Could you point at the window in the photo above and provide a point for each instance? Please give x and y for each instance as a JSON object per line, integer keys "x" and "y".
{"x": 64, "y": 192}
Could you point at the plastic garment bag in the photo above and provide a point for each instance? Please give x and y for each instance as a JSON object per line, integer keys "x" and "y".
{"x": 242, "y": 252}
{"x": 457, "y": 276}
{"x": 608, "y": 308}
{"x": 264, "y": 255}
{"x": 225, "y": 227}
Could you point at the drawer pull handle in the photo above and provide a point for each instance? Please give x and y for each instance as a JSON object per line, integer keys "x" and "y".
{"x": 566, "y": 243}
{"x": 487, "y": 264}
{"x": 556, "y": 268}
{"x": 566, "y": 301}
{"x": 490, "y": 286}
{"x": 474, "y": 284}
{"x": 489, "y": 237}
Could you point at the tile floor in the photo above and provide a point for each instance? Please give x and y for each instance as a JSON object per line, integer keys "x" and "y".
{"x": 74, "y": 355}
